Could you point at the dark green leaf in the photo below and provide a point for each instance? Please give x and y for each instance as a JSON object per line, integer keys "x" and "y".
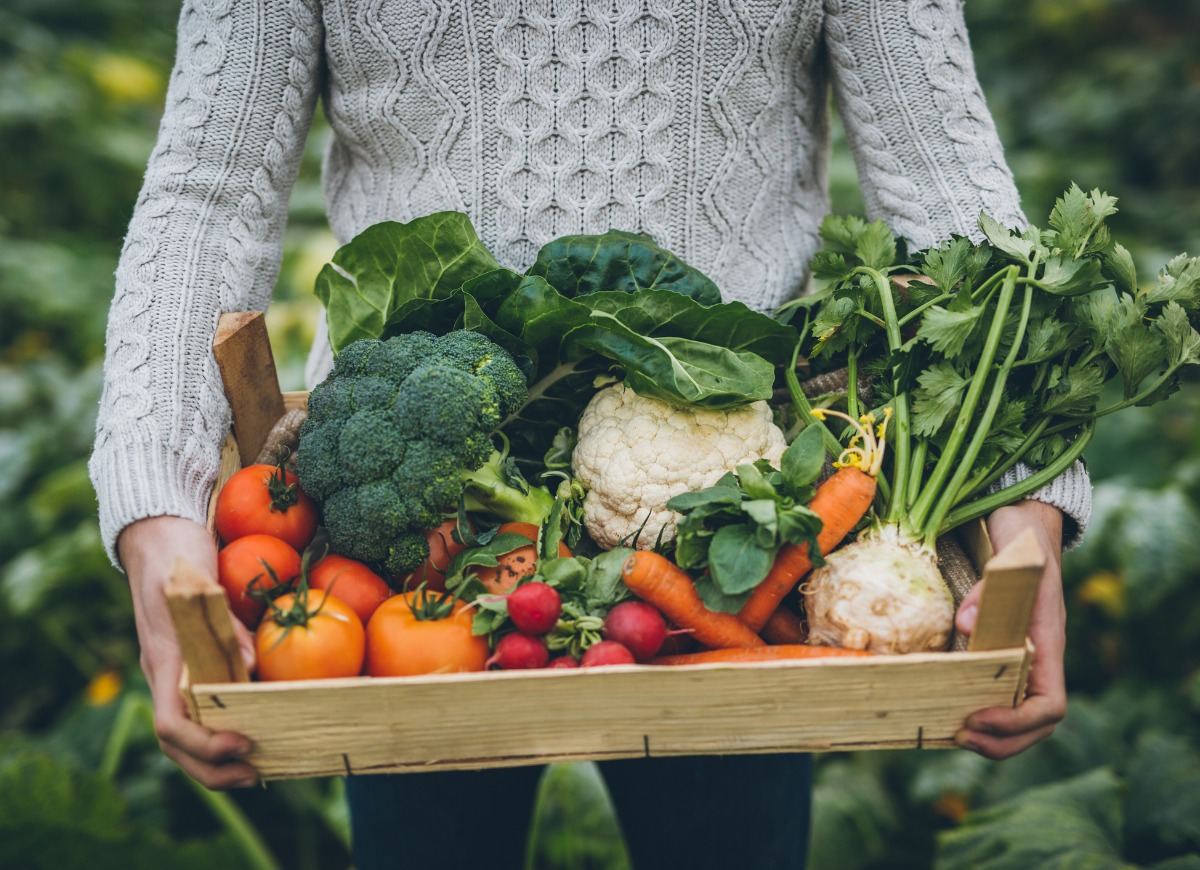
{"x": 1179, "y": 280}
{"x": 619, "y": 261}
{"x": 1005, "y": 240}
{"x": 1183, "y": 342}
{"x": 876, "y": 246}
{"x": 714, "y": 495}
{"x": 937, "y": 397}
{"x": 736, "y": 560}
{"x": 803, "y": 459}
{"x": 754, "y": 483}
{"x": 1079, "y": 219}
{"x": 1138, "y": 352}
{"x": 947, "y": 331}
{"x": 950, "y": 263}
{"x": 1065, "y": 276}
{"x": 716, "y": 599}
{"x": 1164, "y": 792}
{"x": 1119, "y": 268}
{"x": 1076, "y": 393}
{"x": 1046, "y": 339}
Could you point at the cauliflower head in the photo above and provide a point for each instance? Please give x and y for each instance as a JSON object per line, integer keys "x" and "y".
{"x": 635, "y": 453}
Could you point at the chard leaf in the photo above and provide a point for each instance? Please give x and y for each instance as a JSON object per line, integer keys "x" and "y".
{"x": 619, "y": 261}
{"x": 947, "y": 330}
{"x": 736, "y": 559}
{"x": 389, "y": 264}
{"x": 1079, "y": 219}
{"x": 876, "y": 246}
{"x": 1183, "y": 342}
{"x": 1119, "y": 268}
{"x": 937, "y": 397}
{"x": 1076, "y": 393}
{"x": 1178, "y": 281}
{"x": 803, "y": 460}
{"x": 1065, "y": 276}
{"x": 1005, "y": 240}
{"x": 1138, "y": 352}
{"x": 1046, "y": 338}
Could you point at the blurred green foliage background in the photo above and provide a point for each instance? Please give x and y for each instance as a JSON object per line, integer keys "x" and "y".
{"x": 1102, "y": 92}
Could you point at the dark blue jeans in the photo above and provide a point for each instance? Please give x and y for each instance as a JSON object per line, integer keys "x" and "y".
{"x": 720, "y": 812}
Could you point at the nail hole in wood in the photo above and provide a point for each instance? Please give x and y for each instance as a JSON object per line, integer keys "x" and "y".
{"x": 346, "y": 763}
{"x": 920, "y": 736}
{"x": 1000, "y": 672}
{"x": 217, "y": 701}
{"x": 646, "y": 743}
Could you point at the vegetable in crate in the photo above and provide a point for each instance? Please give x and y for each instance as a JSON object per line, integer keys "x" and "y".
{"x": 1004, "y": 358}
{"x": 635, "y": 452}
{"x": 399, "y": 431}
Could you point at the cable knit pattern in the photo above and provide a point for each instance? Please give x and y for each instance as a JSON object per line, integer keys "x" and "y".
{"x": 703, "y": 123}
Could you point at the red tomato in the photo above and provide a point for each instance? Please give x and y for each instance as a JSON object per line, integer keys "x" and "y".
{"x": 265, "y": 500}
{"x": 352, "y": 582}
{"x": 442, "y": 548}
{"x": 417, "y": 633}
{"x": 254, "y": 562}
{"x": 320, "y": 640}
{"x": 514, "y": 565}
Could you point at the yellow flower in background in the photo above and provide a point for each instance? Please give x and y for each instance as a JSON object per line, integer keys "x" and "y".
{"x": 126, "y": 79}
{"x": 1105, "y": 590}
{"x": 103, "y": 689}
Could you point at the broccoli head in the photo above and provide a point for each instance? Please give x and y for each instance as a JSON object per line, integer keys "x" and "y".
{"x": 397, "y": 432}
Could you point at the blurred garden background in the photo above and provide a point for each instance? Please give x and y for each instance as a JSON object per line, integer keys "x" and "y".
{"x": 1102, "y": 92}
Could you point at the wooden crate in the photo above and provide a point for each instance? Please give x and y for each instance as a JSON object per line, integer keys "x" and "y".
{"x": 384, "y": 725}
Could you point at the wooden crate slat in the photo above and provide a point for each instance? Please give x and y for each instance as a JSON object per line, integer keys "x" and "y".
{"x": 497, "y": 719}
{"x": 243, "y": 353}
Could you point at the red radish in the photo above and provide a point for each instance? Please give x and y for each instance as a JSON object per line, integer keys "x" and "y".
{"x": 638, "y": 626}
{"x": 607, "y": 652}
{"x": 534, "y": 608}
{"x": 563, "y": 662}
{"x": 518, "y": 651}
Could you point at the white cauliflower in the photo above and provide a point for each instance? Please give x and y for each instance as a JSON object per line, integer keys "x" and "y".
{"x": 635, "y": 453}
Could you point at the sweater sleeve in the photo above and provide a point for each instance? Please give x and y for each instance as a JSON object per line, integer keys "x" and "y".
{"x": 205, "y": 238}
{"x": 928, "y": 155}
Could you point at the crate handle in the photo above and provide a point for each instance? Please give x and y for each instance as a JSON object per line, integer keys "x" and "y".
{"x": 1012, "y": 577}
{"x": 204, "y": 627}
{"x": 243, "y": 353}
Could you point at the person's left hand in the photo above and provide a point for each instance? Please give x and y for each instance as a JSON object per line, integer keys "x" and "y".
{"x": 1002, "y": 732}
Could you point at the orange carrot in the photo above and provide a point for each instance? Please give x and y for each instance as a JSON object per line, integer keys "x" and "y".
{"x": 659, "y": 581}
{"x": 784, "y": 652}
{"x": 840, "y": 502}
{"x": 784, "y": 627}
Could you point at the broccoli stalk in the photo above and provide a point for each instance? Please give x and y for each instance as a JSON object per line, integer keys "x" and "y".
{"x": 497, "y": 487}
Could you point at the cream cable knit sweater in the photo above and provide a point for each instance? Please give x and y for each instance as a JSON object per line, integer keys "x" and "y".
{"x": 700, "y": 122}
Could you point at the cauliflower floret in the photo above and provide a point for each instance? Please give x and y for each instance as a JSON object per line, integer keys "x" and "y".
{"x": 635, "y": 453}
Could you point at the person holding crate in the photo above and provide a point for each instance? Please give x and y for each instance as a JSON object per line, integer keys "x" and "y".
{"x": 702, "y": 125}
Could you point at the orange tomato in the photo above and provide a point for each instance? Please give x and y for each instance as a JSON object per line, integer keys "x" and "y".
{"x": 321, "y": 640}
{"x": 514, "y": 565}
{"x": 418, "y": 633}
{"x": 265, "y": 500}
{"x": 442, "y": 548}
{"x": 254, "y": 562}
{"x": 352, "y": 582}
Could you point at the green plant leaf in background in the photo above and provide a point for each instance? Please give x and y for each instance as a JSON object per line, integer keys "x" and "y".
{"x": 1072, "y": 824}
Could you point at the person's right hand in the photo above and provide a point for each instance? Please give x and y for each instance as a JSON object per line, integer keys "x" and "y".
{"x": 148, "y": 549}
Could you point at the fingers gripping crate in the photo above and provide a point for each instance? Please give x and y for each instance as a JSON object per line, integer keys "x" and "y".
{"x": 385, "y": 725}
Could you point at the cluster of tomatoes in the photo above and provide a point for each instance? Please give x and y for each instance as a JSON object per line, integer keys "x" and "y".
{"x": 335, "y": 617}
